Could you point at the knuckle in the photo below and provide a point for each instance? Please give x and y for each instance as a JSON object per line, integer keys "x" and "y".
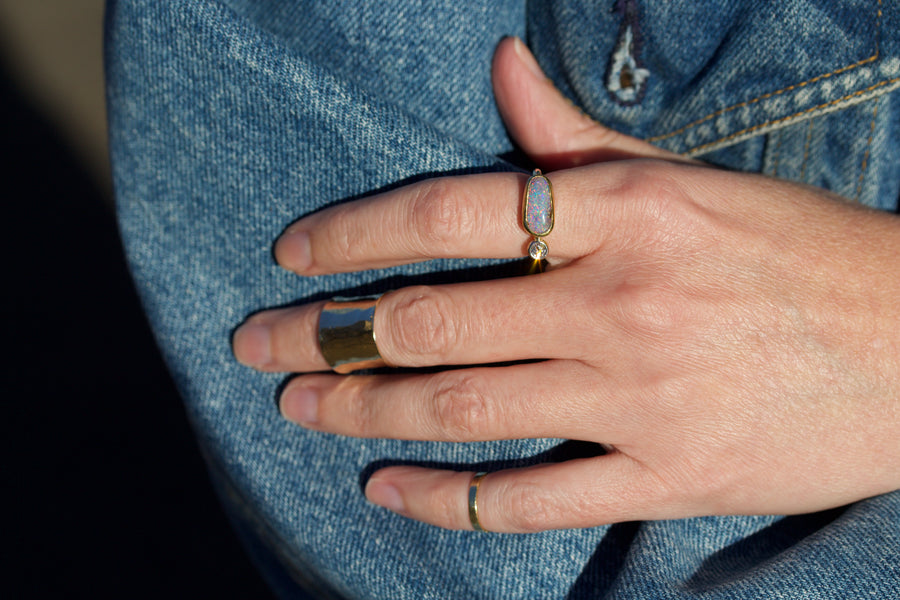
{"x": 651, "y": 191}
{"x": 647, "y": 179}
{"x": 442, "y": 217}
{"x": 664, "y": 210}
{"x": 532, "y": 507}
{"x": 425, "y": 331}
{"x": 674, "y": 397}
{"x": 446, "y": 505}
{"x": 460, "y": 408}
{"x": 528, "y": 508}
{"x": 653, "y": 313}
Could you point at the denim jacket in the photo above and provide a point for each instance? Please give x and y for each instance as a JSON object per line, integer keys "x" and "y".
{"x": 229, "y": 119}
{"x": 799, "y": 89}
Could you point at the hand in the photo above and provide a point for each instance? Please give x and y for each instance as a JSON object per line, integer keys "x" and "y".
{"x": 733, "y": 338}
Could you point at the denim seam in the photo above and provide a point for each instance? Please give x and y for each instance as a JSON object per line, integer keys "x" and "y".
{"x": 831, "y": 104}
{"x": 806, "y": 145}
{"x": 777, "y": 155}
{"x": 865, "y": 160}
{"x": 790, "y": 88}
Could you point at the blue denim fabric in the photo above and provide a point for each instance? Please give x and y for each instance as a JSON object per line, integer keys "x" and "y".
{"x": 230, "y": 119}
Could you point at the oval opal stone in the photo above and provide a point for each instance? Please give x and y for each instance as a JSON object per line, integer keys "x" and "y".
{"x": 537, "y": 208}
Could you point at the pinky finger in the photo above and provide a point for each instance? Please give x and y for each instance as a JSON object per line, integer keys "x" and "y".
{"x": 577, "y": 493}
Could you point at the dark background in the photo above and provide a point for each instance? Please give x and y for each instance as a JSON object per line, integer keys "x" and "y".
{"x": 110, "y": 497}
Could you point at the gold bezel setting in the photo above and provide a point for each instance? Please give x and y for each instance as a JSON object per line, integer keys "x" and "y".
{"x": 538, "y": 214}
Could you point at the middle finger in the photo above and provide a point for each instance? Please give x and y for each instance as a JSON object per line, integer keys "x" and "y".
{"x": 521, "y": 318}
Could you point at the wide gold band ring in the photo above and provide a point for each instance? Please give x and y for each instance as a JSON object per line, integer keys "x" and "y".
{"x": 347, "y": 334}
{"x": 473, "y": 500}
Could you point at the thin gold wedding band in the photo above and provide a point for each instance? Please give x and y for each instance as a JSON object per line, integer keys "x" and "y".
{"x": 473, "y": 500}
{"x": 347, "y": 334}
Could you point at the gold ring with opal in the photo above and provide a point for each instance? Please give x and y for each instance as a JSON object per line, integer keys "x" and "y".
{"x": 537, "y": 214}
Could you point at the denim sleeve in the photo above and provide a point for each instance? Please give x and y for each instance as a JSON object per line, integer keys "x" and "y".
{"x": 231, "y": 118}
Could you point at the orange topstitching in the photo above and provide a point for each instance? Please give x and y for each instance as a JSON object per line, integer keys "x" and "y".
{"x": 802, "y": 112}
{"x": 768, "y": 95}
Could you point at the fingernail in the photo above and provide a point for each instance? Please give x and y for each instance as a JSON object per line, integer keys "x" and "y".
{"x": 385, "y": 495}
{"x": 528, "y": 59}
{"x": 300, "y": 405}
{"x": 294, "y": 250}
{"x": 253, "y": 345}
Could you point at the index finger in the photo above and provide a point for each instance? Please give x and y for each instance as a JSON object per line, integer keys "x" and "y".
{"x": 435, "y": 218}
{"x": 471, "y": 216}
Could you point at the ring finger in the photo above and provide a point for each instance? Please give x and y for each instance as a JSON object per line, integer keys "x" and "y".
{"x": 489, "y": 403}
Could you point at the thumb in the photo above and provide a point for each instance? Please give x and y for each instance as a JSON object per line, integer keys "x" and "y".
{"x": 549, "y": 128}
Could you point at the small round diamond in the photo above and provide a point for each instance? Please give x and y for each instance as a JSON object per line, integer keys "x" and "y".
{"x": 538, "y": 250}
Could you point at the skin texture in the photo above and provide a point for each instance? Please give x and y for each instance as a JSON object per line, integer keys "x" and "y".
{"x": 733, "y": 338}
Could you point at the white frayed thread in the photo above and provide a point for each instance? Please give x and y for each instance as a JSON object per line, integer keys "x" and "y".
{"x": 627, "y": 80}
